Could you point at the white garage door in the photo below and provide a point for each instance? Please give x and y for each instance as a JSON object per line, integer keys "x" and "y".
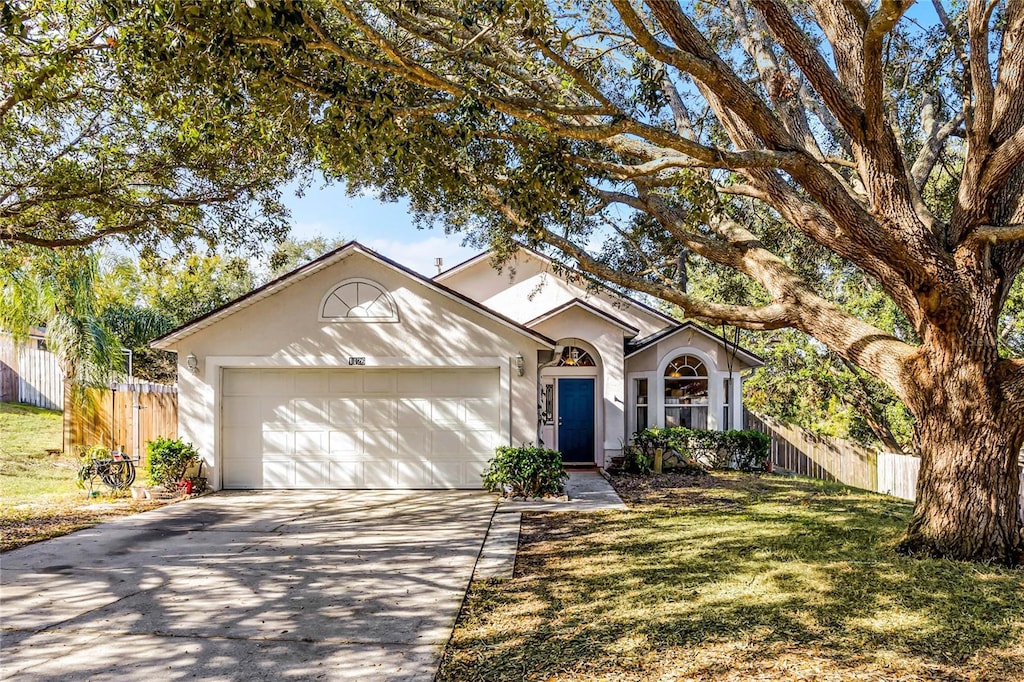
{"x": 359, "y": 428}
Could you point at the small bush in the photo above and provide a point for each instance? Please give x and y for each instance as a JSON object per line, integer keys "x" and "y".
{"x": 693, "y": 449}
{"x": 170, "y": 460}
{"x": 525, "y": 471}
{"x": 636, "y": 461}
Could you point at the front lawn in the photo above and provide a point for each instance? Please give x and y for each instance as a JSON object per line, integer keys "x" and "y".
{"x": 38, "y": 495}
{"x": 737, "y": 577}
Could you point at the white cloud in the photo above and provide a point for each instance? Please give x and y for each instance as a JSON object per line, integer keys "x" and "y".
{"x": 420, "y": 255}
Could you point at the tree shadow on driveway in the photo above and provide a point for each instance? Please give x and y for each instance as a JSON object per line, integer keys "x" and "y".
{"x": 345, "y": 585}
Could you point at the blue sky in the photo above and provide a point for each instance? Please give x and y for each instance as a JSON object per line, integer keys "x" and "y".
{"x": 383, "y": 226}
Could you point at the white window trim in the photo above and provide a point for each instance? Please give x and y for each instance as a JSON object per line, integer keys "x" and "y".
{"x": 715, "y": 385}
{"x": 393, "y": 317}
{"x": 631, "y": 406}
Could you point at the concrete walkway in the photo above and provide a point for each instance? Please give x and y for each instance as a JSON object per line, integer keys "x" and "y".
{"x": 247, "y": 586}
{"x": 588, "y": 491}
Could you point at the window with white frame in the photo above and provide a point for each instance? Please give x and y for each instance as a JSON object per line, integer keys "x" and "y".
{"x": 642, "y": 402}
{"x": 686, "y": 393}
{"x": 726, "y": 413}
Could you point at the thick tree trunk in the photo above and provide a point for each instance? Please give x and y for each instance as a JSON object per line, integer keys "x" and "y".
{"x": 969, "y": 441}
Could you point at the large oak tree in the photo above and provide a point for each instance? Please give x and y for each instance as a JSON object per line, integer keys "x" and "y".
{"x": 884, "y": 143}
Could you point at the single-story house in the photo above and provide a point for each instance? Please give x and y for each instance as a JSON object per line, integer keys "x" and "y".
{"x": 353, "y": 371}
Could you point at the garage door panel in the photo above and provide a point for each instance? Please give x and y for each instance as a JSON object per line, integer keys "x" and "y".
{"x": 445, "y": 444}
{"x": 479, "y": 412}
{"x": 379, "y": 413}
{"x": 243, "y": 472}
{"x": 414, "y": 384}
{"x": 378, "y": 474}
{"x": 422, "y": 428}
{"x": 278, "y": 474}
{"x": 342, "y": 474}
{"x": 277, "y": 382}
{"x": 278, "y": 442}
{"x": 479, "y": 444}
{"x": 412, "y": 413}
{"x": 379, "y": 443}
{"x": 346, "y": 411}
{"x": 345, "y": 382}
{"x": 379, "y": 382}
{"x": 240, "y": 383}
{"x": 310, "y": 473}
{"x": 413, "y": 474}
{"x": 242, "y": 411}
{"x": 276, "y": 411}
{"x": 310, "y": 443}
{"x": 448, "y": 474}
{"x": 312, "y": 383}
{"x": 311, "y": 410}
{"x": 413, "y": 441}
{"x": 446, "y": 411}
{"x": 344, "y": 442}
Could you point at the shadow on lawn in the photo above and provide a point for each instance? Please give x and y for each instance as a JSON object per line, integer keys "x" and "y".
{"x": 753, "y": 574}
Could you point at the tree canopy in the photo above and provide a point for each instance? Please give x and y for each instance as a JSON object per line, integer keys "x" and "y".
{"x": 96, "y": 147}
{"x": 806, "y": 147}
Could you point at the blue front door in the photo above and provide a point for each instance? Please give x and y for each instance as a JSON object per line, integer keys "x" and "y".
{"x": 576, "y": 420}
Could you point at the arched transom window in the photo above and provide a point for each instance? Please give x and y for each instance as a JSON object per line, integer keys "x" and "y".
{"x": 358, "y": 300}
{"x": 572, "y": 356}
{"x": 686, "y": 393}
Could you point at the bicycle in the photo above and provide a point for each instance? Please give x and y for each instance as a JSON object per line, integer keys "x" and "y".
{"x": 116, "y": 470}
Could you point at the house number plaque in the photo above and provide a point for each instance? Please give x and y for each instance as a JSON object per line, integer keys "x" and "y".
{"x": 356, "y": 360}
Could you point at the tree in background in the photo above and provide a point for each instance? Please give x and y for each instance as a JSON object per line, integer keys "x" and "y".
{"x": 98, "y": 148}
{"x": 55, "y": 290}
{"x": 293, "y": 253}
{"x": 891, "y": 146}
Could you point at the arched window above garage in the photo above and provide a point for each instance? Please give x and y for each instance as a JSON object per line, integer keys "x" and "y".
{"x": 358, "y": 300}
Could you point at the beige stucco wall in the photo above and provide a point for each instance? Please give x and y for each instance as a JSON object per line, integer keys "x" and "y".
{"x": 283, "y": 330}
{"x": 527, "y": 288}
{"x": 607, "y": 339}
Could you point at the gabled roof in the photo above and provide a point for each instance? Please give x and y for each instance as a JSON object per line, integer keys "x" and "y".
{"x": 315, "y": 266}
{"x": 583, "y": 305}
{"x": 470, "y": 262}
{"x": 637, "y": 345}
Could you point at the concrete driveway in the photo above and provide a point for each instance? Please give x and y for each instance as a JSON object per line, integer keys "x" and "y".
{"x": 247, "y": 586}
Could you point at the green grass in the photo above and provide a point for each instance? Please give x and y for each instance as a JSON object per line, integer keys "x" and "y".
{"x": 27, "y": 471}
{"x": 737, "y": 577}
{"x": 39, "y": 496}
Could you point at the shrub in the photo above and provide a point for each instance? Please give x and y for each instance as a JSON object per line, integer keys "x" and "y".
{"x": 693, "y": 449}
{"x": 525, "y": 471}
{"x": 677, "y": 455}
{"x": 170, "y": 460}
{"x": 636, "y": 461}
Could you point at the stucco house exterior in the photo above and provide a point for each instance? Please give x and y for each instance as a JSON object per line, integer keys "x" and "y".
{"x": 355, "y": 372}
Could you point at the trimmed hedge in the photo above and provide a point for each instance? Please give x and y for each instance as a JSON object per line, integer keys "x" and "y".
{"x": 525, "y": 471}
{"x": 684, "y": 448}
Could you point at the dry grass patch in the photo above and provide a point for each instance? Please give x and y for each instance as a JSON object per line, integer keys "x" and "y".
{"x": 737, "y": 577}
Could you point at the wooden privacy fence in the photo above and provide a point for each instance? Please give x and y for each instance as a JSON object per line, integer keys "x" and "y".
{"x": 30, "y": 374}
{"x": 124, "y": 416}
{"x": 807, "y": 454}
{"x": 834, "y": 459}
{"x": 897, "y": 476}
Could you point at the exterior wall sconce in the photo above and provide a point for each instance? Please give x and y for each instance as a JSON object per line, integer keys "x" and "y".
{"x": 192, "y": 362}
{"x": 520, "y": 364}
